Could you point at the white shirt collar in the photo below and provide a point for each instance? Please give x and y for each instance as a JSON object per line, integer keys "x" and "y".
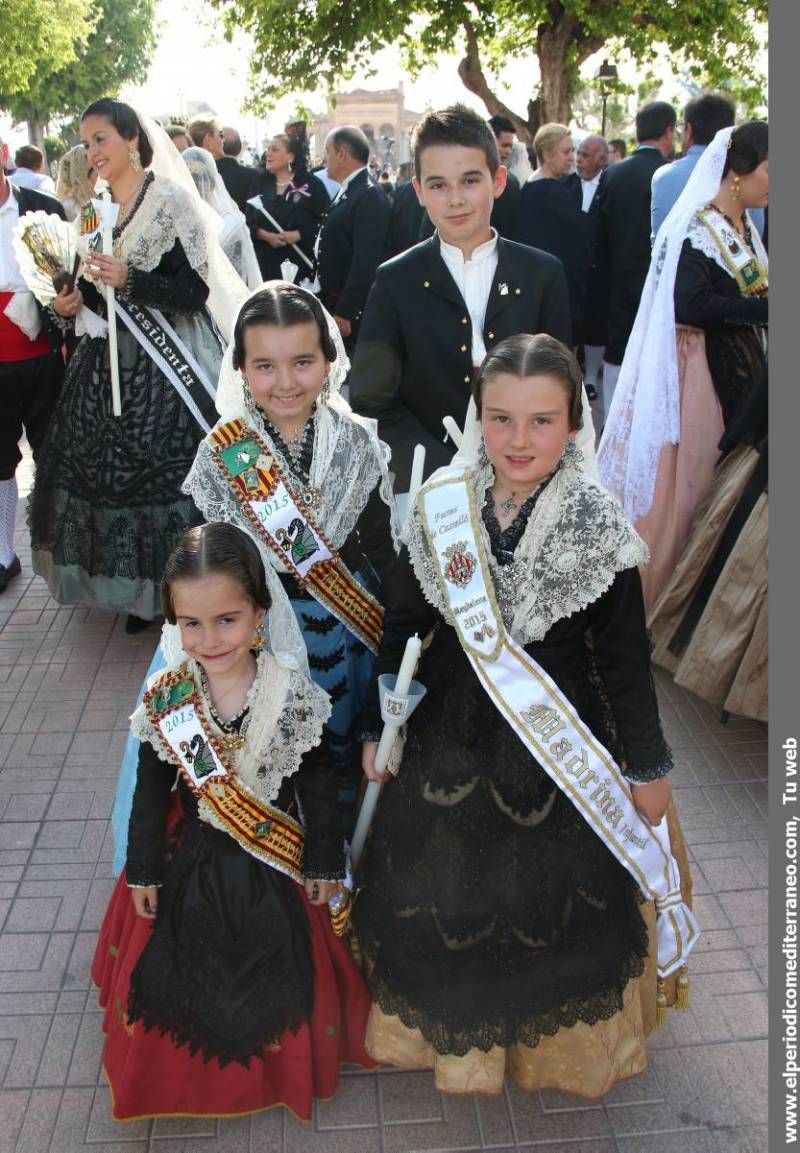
{"x": 348, "y": 180}
{"x": 453, "y": 255}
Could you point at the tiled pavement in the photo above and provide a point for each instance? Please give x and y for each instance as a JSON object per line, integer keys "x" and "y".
{"x": 68, "y": 678}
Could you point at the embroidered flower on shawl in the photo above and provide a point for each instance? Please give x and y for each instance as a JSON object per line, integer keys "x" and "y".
{"x": 165, "y": 215}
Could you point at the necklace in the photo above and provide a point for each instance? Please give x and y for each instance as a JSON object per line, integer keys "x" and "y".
{"x": 216, "y": 706}
{"x": 296, "y": 443}
{"x": 125, "y": 206}
{"x": 742, "y": 227}
{"x": 511, "y": 503}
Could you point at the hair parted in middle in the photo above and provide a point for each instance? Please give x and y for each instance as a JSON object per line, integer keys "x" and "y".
{"x": 215, "y": 548}
{"x": 282, "y": 305}
{"x": 454, "y": 125}
{"x": 540, "y": 355}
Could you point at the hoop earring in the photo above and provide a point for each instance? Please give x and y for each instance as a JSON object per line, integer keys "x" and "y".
{"x": 736, "y": 187}
{"x": 135, "y": 159}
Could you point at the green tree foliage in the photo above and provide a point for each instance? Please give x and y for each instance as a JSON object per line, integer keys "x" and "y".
{"x": 311, "y": 43}
{"x": 35, "y": 30}
{"x": 116, "y": 51}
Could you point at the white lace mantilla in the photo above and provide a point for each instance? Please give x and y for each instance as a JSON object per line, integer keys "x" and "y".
{"x": 287, "y": 713}
{"x": 348, "y": 462}
{"x": 575, "y": 542}
{"x": 166, "y": 214}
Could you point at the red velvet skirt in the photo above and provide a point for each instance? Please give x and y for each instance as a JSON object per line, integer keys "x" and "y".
{"x": 150, "y": 1076}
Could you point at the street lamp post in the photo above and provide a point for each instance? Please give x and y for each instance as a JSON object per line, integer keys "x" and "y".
{"x": 606, "y": 75}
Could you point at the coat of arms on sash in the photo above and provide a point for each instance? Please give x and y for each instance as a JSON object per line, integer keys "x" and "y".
{"x": 198, "y": 754}
{"x": 460, "y": 564}
{"x": 298, "y": 540}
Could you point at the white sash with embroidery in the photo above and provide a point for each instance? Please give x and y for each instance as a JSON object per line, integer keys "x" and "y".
{"x": 544, "y": 720}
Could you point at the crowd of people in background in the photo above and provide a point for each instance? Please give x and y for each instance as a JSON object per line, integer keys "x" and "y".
{"x": 331, "y": 221}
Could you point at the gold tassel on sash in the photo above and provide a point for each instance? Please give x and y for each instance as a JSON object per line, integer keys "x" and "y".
{"x": 661, "y": 1003}
{"x": 682, "y": 989}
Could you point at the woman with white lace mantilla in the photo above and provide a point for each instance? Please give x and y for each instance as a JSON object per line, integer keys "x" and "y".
{"x": 696, "y": 354}
{"x": 501, "y": 930}
{"x": 107, "y": 506}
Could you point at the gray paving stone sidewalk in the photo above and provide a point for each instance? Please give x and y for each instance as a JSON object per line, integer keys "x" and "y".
{"x": 68, "y": 679}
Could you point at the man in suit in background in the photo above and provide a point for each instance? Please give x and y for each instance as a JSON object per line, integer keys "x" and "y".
{"x": 240, "y": 181}
{"x": 350, "y": 243}
{"x": 31, "y": 365}
{"x": 591, "y": 160}
{"x": 506, "y": 206}
{"x": 407, "y": 215}
{"x": 622, "y": 249}
{"x": 435, "y": 309}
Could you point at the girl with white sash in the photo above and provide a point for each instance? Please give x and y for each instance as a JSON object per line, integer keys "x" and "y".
{"x": 501, "y": 911}
{"x": 225, "y": 987}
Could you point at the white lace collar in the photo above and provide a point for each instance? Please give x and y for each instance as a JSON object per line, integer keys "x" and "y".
{"x": 348, "y": 463}
{"x": 287, "y": 713}
{"x": 166, "y": 214}
{"x": 575, "y": 542}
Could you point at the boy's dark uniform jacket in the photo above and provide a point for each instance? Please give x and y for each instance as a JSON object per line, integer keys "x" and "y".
{"x": 413, "y": 362}
{"x": 351, "y": 247}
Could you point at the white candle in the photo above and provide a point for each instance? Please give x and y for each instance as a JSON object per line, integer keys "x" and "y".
{"x": 453, "y": 430}
{"x": 113, "y": 352}
{"x": 405, "y": 676}
{"x": 417, "y": 469}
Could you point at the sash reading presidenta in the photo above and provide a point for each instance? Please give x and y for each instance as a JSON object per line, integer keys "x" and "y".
{"x": 284, "y": 522}
{"x": 151, "y": 329}
{"x": 542, "y": 717}
{"x": 174, "y": 708}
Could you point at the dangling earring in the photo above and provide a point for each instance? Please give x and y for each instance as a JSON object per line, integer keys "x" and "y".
{"x": 135, "y": 159}
{"x": 259, "y": 639}
{"x": 736, "y": 187}
{"x": 249, "y": 402}
{"x": 325, "y": 395}
{"x": 571, "y": 455}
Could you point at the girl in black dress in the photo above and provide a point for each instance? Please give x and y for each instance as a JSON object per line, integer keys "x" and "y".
{"x": 501, "y": 933}
{"x": 225, "y": 988}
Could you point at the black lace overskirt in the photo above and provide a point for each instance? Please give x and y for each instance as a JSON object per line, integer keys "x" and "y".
{"x": 228, "y": 966}
{"x": 107, "y": 493}
{"x": 490, "y": 912}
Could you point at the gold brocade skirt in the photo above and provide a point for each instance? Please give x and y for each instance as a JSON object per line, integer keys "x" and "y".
{"x": 725, "y": 661}
{"x": 583, "y": 1059}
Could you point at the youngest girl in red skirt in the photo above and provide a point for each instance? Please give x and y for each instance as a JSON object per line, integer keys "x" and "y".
{"x": 224, "y": 986}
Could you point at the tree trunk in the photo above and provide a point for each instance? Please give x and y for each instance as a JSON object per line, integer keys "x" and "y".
{"x": 561, "y": 46}
{"x": 472, "y": 77}
{"x": 36, "y": 133}
{"x": 554, "y": 103}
